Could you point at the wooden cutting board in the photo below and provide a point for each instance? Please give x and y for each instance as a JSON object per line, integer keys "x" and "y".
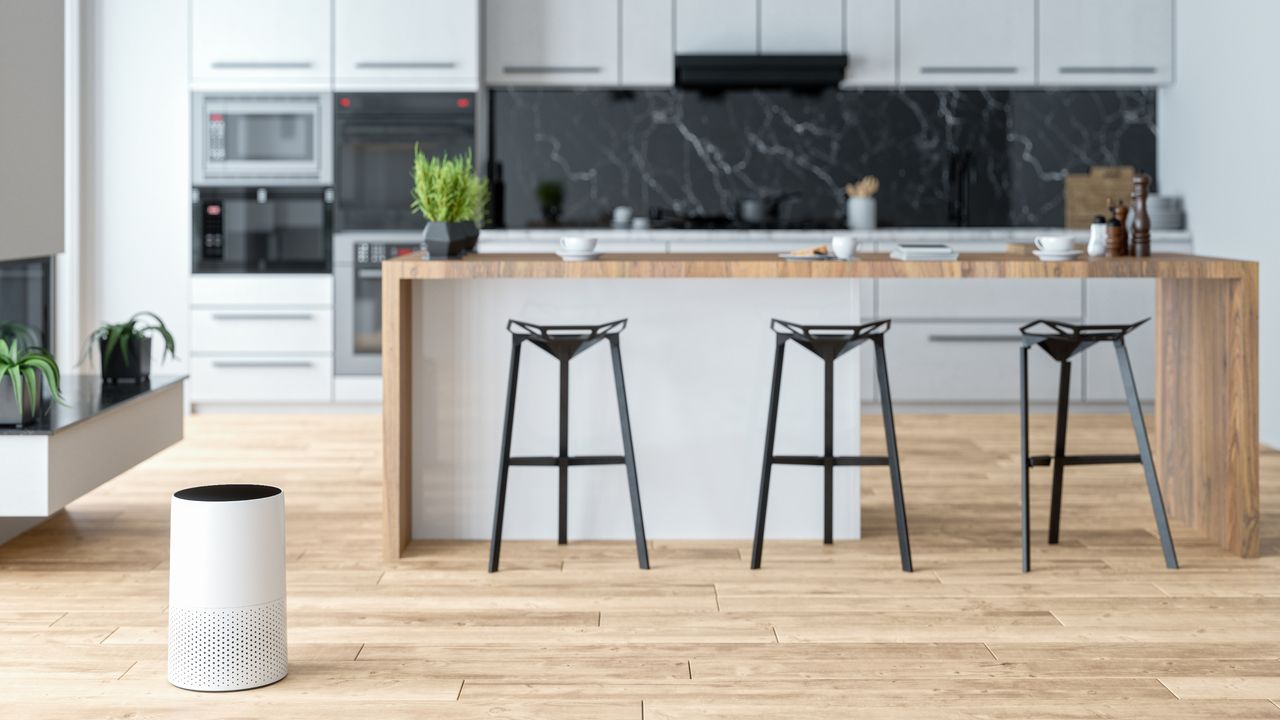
{"x": 1085, "y": 195}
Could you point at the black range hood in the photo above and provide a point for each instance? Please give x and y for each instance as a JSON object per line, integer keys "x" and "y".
{"x": 716, "y": 72}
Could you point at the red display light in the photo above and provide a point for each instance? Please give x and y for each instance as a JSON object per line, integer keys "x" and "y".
{"x": 464, "y": 103}
{"x": 344, "y": 102}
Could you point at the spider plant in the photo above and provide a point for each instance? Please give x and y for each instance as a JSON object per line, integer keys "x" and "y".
{"x": 18, "y": 335}
{"x": 120, "y": 336}
{"x": 20, "y": 366}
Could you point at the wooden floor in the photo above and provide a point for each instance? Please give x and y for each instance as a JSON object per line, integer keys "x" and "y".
{"x": 1099, "y": 630}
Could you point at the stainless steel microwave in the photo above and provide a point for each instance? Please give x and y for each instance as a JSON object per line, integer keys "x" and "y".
{"x": 262, "y": 139}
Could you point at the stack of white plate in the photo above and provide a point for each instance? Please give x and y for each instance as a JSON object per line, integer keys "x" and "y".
{"x": 1166, "y": 212}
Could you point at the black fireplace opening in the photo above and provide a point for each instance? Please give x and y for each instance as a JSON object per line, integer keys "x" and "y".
{"x": 26, "y": 301}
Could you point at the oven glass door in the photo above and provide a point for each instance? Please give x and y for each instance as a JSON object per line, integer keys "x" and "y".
{"x": 374, "y": 158}
{"x": 366, "y": 316}
{"x": 268, "y": 230}
{"x": 267, "y": 137}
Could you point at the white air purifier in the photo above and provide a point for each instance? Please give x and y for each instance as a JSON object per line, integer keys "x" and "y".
{"x": 227, "y": 627}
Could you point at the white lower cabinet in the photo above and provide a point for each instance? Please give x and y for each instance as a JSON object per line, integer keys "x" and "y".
{"x": 262, "y": 379}
{"x": 261, "y": 339}
{"x": 1121, "y": 301}
{"x": 971, "y": 363}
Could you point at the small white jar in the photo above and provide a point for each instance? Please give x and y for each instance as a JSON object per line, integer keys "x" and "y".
{"x": 1097, "y": 237}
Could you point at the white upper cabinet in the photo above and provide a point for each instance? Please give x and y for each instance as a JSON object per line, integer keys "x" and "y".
{"x": 802, "y": 27}
{"x": 1103, "y": 42}
{"x": 261, "y": 44}
{"x": 985, "y": 43}
{"x": 406, "y": 45}
{"x": 552, "y": 42}
{"x": 648, "y": 37}
{"x": 717, "y": 27}
{"x": 871, "y": 42}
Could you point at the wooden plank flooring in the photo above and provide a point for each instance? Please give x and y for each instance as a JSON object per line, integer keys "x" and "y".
{"x": 1099, "y": 630}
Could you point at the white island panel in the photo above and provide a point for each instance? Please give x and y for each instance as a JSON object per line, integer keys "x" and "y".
{"x": 698, "y": 358}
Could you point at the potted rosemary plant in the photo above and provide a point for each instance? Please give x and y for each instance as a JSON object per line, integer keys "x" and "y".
{"x": 23, "y": 373}
{"x": 125, "y": 348}
{"x": 447, "y": 192}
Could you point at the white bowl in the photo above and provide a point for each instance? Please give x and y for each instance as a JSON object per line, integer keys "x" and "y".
{"x": 578, "y": 243}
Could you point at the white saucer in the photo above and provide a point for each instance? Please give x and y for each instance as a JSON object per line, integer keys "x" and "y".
{"x": 1055, "y": 256}
{"x": 577, "y": 255}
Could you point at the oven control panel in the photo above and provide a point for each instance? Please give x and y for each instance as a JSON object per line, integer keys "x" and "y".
{"x": 211, "y": 231}
{"x": 371, "y": 253}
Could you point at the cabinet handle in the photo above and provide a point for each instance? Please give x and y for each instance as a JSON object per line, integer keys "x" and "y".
{"x": 967, "y": 70}
{"x": 1107, "y": 70}
{"x": 263, "y": 316}
{"x": 261, "y": 65}
{"x": 369, "y": 274}
{"x": 975, "y": 338}
{"x": 262, "y": 363}
{"x": 405, "y": 65}
{"x": 552, "y": 69}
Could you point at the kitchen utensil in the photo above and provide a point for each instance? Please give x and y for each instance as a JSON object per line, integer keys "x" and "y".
{"x": 1056, "y": 256}
{"x": 860, "y": 212}
{"x": 1141, "y": 246}
{"x": 789, "y": 256}
{"x": 622, "y": 215}
{"x": 577, "y": 243}
{"x": 1085, "y": 195}
{"x": 1098, "y": 237}
{"x": 572, "y": 256}
{"x": 843, "y": 246}
{"x": 1054, "y": 243}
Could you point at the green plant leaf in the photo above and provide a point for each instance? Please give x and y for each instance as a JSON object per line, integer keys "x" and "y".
{"x": 446, "y": 189}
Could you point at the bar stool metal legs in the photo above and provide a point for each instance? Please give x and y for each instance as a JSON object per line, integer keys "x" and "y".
{"x": 1063, "y": 341}
{"x": 829, "y": 343}
{"x": 564, "y": 343}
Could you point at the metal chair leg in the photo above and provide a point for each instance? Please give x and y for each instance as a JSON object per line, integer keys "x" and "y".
{"x": 1144, "y": 450}
{"x": 891, "y": 442}
{"x": 504, "y": 463}
{"x": 828, "y": 447}
{"x": 1025, "y": 461}
{"x": 757, "y": 545}
{"x": 563, "y": 535}
{"x": 1059, "y": 451}
{"x": 628, "y": 452}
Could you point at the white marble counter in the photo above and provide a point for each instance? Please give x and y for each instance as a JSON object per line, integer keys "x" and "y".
{"x": 901, "y": 234}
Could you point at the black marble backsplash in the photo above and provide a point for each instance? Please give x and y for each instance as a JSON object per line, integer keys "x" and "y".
{"x": 699, "y": 154}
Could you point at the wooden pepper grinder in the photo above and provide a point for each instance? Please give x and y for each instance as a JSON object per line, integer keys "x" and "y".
{"x": 1117, "y": 237}
{"x": 1141, "y": 221}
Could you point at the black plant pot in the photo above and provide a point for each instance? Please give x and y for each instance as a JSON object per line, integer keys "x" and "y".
{"x": 453, "y": 239}
{"x": 10, "y": 413}
{"x": 135, "y": 369}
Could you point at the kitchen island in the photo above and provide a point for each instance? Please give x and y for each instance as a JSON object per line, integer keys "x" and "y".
{"x": 1205, "y": 430}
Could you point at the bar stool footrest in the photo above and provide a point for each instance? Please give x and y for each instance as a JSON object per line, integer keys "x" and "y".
{"x": 838, "y": 461}
{"x": 1047, "y": 460}
{"x": 572, "y": 461}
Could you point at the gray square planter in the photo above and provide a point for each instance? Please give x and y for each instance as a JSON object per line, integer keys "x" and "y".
{"x": 442, "y": 240}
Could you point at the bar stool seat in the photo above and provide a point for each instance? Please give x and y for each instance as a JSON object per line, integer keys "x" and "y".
{"x": 1063, "y": 341}
{"x": 565, "y": 342}
{"x": 830, "y": 342}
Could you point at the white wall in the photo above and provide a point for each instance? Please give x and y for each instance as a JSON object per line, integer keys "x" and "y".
{"x": 32, "y": 85}
{"x": 1219, "y": 148}
{"x": 135, "y": 196}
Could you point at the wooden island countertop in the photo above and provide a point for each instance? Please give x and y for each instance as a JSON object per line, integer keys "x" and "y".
{"x": 1206, "y": 417}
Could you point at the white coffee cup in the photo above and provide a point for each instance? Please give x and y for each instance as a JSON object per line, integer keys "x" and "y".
{"x": 842, "y": 246}
{"x": 1054, "y": 243}
{"x": 578, "y": 243}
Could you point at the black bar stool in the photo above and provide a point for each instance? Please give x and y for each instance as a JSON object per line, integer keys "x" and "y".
{"x": 565, "y": 342}
{"x": 1063, "y": 341}
{"x": 829, "y": 342}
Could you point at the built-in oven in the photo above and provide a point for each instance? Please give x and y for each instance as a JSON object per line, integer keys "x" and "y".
{"x": 262, "y": 139}
{"x": 261, "y": 229}
{"x": 375, "y": 135}
{"x": 357, "y": 287}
